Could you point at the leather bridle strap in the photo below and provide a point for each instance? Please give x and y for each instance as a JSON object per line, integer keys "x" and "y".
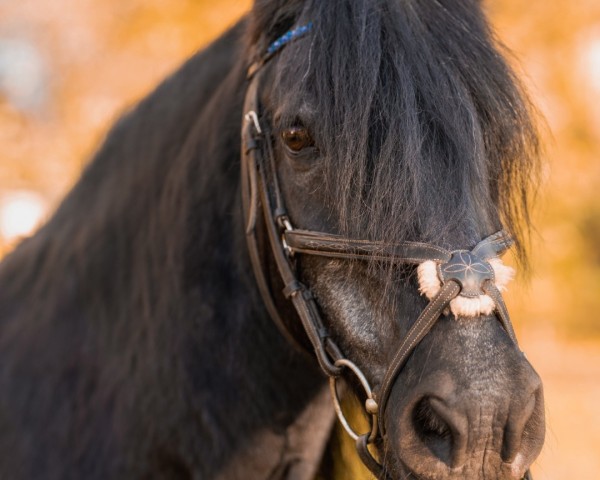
{"x": 417, "y": 332}
{"x": 255, "y": 171}
{"x": 251, "y": 204}
{"x": 493, "y": 246}
{"x": 491, "y": 290}
{"x": 336, "y": 246}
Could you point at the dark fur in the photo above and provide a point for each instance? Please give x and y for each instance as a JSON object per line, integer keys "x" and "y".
{"x": 133, "y": 343}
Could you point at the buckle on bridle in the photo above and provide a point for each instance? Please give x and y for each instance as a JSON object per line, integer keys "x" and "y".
{"x": 285, "y": 225}
{"x": 252, "y": 117}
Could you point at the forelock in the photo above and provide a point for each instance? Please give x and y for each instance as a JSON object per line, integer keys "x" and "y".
{"x": 420, "y": 119}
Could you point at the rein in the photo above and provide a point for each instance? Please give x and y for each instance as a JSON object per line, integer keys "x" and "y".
{"x": 462, "y": 273}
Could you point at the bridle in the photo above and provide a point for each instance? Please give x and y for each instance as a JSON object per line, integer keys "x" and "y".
{"x": 261, "y": 191}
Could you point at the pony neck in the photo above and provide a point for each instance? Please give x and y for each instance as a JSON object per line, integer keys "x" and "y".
{"x": 141, "y": 293}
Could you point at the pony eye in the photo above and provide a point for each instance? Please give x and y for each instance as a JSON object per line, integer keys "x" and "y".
{"x": 297, "y": 138}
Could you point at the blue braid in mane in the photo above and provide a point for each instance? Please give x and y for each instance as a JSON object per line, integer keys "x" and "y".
{"x": 289, "y": 36}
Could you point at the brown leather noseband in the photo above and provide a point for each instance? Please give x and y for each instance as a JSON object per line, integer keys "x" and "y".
{"x": 261, "y": 196}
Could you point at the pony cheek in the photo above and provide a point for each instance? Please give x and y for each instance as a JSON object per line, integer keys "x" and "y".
{"x": 350, "y": 311}
{"x": 305, "y": 199}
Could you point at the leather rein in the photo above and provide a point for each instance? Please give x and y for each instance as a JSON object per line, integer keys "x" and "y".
{"x": 263, "y": 206}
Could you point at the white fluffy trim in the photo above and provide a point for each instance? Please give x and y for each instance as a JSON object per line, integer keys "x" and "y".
{"x": 430, "y": 285}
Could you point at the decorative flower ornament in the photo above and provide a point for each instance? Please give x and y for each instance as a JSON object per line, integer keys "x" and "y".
{"x": 471, "y": 272}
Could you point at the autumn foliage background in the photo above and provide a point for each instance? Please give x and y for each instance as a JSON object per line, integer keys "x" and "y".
{"x": 68, "y": 68}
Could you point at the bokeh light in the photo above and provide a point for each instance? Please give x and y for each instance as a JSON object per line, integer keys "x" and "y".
{"x": 20, "y": 213}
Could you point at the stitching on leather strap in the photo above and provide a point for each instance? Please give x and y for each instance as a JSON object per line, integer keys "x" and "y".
{"x": 436, "y": 306}
{"x": 366, "y": 256}
{"x": 301, "y": 239}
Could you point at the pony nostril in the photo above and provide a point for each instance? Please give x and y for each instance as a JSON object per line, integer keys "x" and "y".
{"x": 441, "y": 429}
{"x": 523, "y": 426}
{"x": 428, "y": 423}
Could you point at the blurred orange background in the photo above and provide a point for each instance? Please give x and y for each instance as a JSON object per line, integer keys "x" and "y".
{"x": 69, "y": 67}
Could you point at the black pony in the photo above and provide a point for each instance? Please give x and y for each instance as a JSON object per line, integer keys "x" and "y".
{"x": 133, "y": 339}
